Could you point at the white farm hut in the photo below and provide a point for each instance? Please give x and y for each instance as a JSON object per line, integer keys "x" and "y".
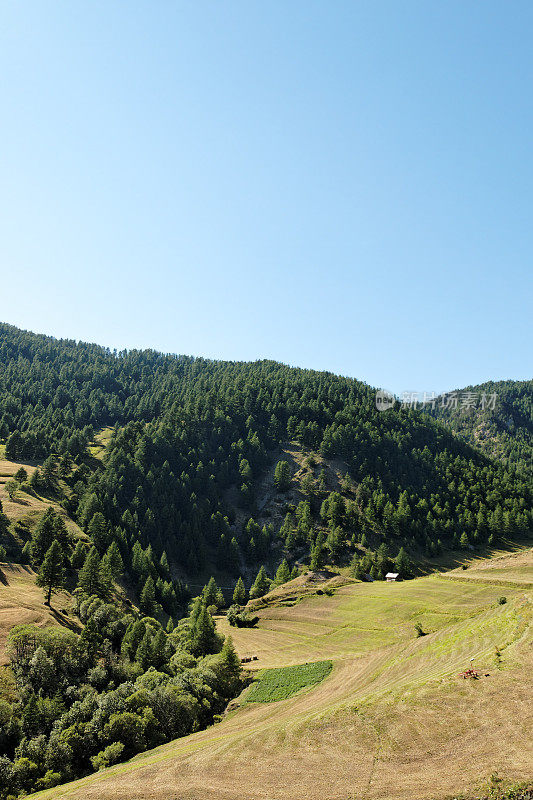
{"x": 390, "y": 577}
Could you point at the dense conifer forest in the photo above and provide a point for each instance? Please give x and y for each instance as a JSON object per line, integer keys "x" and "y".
{"x": 187, "y": 442}
{"x": 503, "y": 429}
{"x": 185, "y": 430}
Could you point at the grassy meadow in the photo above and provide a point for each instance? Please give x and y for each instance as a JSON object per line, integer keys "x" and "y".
{"x": 392, "y": 720}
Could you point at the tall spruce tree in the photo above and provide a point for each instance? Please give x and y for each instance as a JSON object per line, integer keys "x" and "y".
{"x": 52, "y": 572}
{"x": 282, "y": 476}
{"x": 261, "y": 585}
{"x": 89, "y": 577}
{"x": 239, "y": 593}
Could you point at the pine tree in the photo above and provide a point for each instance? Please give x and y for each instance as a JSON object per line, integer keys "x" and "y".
{"x": 89, "y": 577}
{"x": 403, "y": 564}
{"x": 78, "y": 556}
{"x": 165, "y": 566}
{"x": 52, "y": 573}
{"x": 49, "y": 471}
{"x": 132, "y": 638}
{"x": 231, "y": 665}
{"x": 317, "y": 555}
{"x": 11, "y": 488}
{"x": 36, "y": 480}
{"x": 14, "y": 446}
{"x": 159, "y": 648}
{"x": 204, "y": 638}
{"x": 26, "y": 553}
{"x": 283, "y": 573}
{"x": 144, "y": 653}
{"x": 282, "y": 476}
{"x": 334, "y": 542}
{"x": 239, "y": 593}
{"x": 43, "y": 535}
{"x": 21, "y": 475}
{"x": 114, "y": 559}
{"x": 211, "y": 594}
{"x": 97, "y": 531}
{"x": 147, "y": 599}
{"x": 261, "y": 584}
{"x": 106, "y": 578}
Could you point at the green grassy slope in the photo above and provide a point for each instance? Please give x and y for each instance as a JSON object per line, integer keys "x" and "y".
{"x": 390, "y": 721}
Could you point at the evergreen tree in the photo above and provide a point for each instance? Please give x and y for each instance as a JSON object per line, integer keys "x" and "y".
{"x": 334, "y": 543}
{"x": 403, "y": 564}
{"x": 43, "y": 535}
{"x": 36, "y": 480}
{"x": 52, "y": 572}
{"x": 144, "y": 653}
{"x": 14, "y": 446}
{"x": 283, "y": 573}
{"x": 89, "y": 576}
{"x": 231, "y": 665}
{"x": 317, "y": 554}
{"x": 106, "y": 578}
{"x": 212, "y": 595}
{"x": 239, "y": 593}
{"x": 114, "y": 559}
{"x": 98, "y": 533}
{"x": 165, "y": 566}
{"x": 203, "y": 636}
{"x": 261, "y": 585}
{"x": 147, "y": 600}
{"x": 159, "y": 647}
{"x": 282, "y": 476}
{"x": 233, "y": 558}
{"x": 78, "y": 556}
{"x": 49, "y": 471}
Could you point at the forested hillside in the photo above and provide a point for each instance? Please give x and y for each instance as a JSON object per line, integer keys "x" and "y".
{"x": 496, "y": 417}
{"x": 190, "y": 438}
{"x": 131, "y": 477}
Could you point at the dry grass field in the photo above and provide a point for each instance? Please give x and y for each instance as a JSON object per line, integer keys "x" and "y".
{"x": 511, "y": 569}
{"x": 22, "y": 602}
{"x": 26, "y": 507}
{"x": 392, "y": 721}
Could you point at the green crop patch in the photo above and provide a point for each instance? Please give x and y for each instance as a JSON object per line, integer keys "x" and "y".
{"x": 283, "y": 682}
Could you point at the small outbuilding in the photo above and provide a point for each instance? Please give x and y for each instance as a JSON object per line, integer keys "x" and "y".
{"x": 390, "y": 577}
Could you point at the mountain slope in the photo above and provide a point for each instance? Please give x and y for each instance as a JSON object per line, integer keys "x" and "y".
{"x": 392, "y": 720}
{"x": 499, "y": 423}
{"x": 192, "y": 440}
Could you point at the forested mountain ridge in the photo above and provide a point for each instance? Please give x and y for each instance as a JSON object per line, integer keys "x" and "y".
{"x": 187, "y": 430}
{"x": 144, "y": 471}
{"x": 499, "y": 421}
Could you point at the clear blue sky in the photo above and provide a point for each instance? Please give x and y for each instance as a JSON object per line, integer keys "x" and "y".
{"x": 339, "y": 185}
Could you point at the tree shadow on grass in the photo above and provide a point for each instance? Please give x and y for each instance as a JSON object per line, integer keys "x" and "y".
{"x": 64, "y": 621}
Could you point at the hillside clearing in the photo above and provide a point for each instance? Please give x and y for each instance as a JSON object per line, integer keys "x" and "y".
{"x": 22, "y": 602}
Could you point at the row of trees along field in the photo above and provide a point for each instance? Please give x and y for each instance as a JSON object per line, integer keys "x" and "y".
{"x": 185, "y": 431}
